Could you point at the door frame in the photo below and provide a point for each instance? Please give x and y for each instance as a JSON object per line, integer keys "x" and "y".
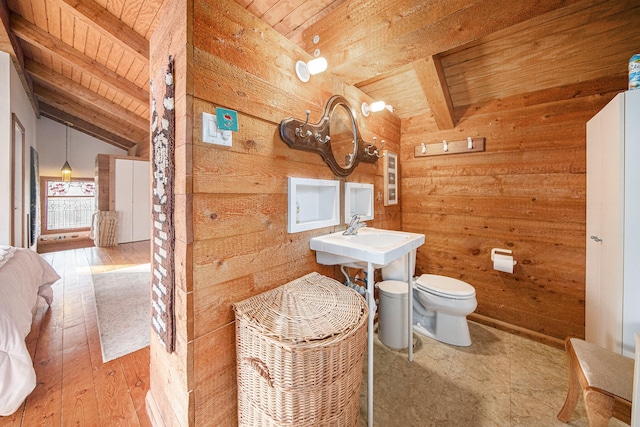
{"x": 17, "y": 212}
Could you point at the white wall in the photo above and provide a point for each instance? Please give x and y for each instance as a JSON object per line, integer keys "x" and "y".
{"x": 18, "y": 103}
{"x": 24, "y": 111}
{"x": 47, "y": 136}
{"x": 22, "y": 108}
{"x": 5, "y": 149}
{"x": 82, "y": 150}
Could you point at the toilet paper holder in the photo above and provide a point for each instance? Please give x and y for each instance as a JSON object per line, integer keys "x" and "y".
{"x": 502, "y": 252}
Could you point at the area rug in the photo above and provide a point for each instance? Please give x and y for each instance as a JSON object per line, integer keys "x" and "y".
{"x": 122, "y": 301}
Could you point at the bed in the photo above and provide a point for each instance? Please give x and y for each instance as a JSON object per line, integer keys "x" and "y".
{"x": 24, "y": 275}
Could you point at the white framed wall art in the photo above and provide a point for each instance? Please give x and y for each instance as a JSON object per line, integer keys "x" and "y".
{"x": 390, "y": 178}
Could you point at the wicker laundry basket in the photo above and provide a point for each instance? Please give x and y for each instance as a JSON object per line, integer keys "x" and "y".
{"x": 300, "y": 350}
{"x": 104, "y": 228}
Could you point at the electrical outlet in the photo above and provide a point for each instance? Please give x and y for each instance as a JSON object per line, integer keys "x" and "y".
{"x": 211, "y": 133}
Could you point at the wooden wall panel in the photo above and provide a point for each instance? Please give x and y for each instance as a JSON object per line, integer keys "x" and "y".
{"x": 526, "y": 193}
{"x": 241, "y": 246}
{"x": 171, "y": 401}
{"x": 215, "y": 367}
{"x": 102, "y": 172}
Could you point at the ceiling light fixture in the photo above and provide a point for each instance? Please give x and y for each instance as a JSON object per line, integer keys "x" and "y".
{"x": 373, "y": 108}
{"x": 66, "y": 169}
{"x": 304, "y": 70}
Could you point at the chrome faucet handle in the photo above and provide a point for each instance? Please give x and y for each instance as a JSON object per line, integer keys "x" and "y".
{"x": 354, "y": 225}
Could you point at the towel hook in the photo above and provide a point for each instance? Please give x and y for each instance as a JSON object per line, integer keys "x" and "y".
{"x": 321, "y": 140}
{"x": 299, "y": 132}
{"x": 368, "y": 148}
{"x": 376, "y": 152}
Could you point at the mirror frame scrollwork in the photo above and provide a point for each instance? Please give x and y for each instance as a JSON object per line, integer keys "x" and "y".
{"x": 316, "y": 138}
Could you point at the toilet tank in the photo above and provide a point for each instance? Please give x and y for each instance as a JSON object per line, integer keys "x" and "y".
{"x": 397, "y": 270}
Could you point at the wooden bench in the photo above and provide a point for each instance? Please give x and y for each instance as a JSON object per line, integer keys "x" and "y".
{"x": 605, "y": 379}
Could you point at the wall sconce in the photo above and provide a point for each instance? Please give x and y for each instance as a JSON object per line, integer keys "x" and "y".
{"x": 373, "y": 108}
{"x": 304, "y": 70}
{"x": 66, "y": 169}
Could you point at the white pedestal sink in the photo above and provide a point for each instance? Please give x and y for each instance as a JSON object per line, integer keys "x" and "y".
{"x": 370, "y": 248}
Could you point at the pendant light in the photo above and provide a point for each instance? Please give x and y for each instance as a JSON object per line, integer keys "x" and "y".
{"x": 66, "y": 169}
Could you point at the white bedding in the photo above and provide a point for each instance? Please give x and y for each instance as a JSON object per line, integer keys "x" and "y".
{"x": 23, "y": 276}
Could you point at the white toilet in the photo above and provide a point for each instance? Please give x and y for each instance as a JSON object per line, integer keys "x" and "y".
{"x": 440, "y": 305}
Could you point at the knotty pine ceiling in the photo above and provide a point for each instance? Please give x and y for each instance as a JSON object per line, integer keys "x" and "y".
{"x": 85, "y": 62}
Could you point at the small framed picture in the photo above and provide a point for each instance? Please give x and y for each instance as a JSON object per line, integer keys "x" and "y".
{"x": 390, "y": 178}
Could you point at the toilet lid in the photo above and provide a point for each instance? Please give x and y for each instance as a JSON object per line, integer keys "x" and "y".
{"x": 446, "y": 286}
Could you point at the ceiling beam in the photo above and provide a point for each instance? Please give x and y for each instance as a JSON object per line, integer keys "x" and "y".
{"x": 56, "y": 47}
{"x": 103, "y": 120}
{"x": 95, "y": 15}
{"x": 10, "y": 44}
{"x": 60, "y": 116}
{"x": 434, "y": 85}
{"x": 356, "y": 31}
{"x": 80, "y": 94}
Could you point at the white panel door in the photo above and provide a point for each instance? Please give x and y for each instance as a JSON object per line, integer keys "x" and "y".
{"x": 123, "y": 199}
{"x": 141, "y": 201}
{"x": 605, "y": 204}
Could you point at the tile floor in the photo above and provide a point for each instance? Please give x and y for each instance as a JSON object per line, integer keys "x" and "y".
{"x": 500, "y": 380}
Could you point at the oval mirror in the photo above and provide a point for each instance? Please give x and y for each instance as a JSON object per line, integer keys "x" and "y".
{"x": 335, "y": 137}
{"x": 343, "y": 136}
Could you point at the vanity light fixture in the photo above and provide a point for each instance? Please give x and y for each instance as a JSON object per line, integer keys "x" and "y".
{"x": 304, "y": 70}
{"x": 373, "y": 108}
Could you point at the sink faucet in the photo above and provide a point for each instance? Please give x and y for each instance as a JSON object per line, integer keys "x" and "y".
{"x": 354, "y": 225}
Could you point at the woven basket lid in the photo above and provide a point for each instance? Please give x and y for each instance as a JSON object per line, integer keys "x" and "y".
{"x": 310, "y": 308}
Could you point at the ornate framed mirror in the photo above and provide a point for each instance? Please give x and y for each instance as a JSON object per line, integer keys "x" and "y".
{"x": 336, "y": 137}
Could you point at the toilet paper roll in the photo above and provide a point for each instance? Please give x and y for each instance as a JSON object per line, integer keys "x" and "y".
{"x": 503, "y": 263}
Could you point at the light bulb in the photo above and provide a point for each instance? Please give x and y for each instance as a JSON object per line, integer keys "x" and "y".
{"x": 377, "y": 106}
{"x": 305, "y": 70}
{"x": 373, "y": 108}
{"x": 317, "y": 65}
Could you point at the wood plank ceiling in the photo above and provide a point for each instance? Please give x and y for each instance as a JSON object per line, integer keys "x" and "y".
{"x": 86, "y": 61}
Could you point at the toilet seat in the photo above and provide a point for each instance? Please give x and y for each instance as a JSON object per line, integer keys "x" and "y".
{"x": 444, "y": 286}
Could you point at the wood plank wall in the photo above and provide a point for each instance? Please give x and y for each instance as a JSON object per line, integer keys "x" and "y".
{"x": 232, "y": 238}
{"x": 170, "y": 397}
{"x": 525, "y": 193}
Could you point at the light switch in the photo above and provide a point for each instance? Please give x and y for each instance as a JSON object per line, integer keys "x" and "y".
{"x": 211, "y": 133}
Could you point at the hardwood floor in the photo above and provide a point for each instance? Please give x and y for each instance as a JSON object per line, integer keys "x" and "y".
{"x": 73, "y": 386}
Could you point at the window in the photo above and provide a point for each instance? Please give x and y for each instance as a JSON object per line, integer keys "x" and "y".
{"x": 68, "y": 206}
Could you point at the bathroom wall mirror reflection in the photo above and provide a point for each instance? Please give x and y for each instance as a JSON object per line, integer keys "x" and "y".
{"x": 343, "y": 133}
{"x": 335, "y": 137}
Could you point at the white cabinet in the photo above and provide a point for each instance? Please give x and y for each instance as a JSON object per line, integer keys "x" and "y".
{"x": 133, "y": 200}
{"x": 612, "y": 306}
